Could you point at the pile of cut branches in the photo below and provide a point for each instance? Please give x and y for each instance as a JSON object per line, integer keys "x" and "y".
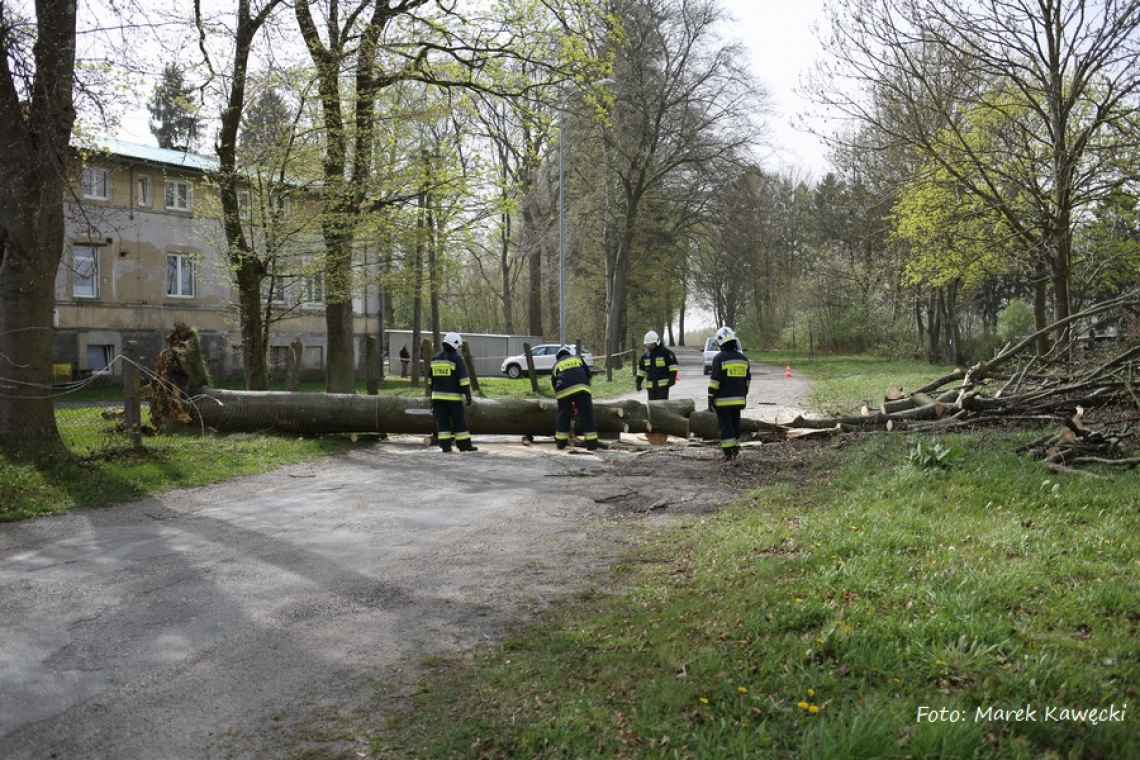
{"x": 1022, "y": 385}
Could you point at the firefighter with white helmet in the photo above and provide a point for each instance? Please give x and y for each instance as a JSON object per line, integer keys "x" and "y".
{"x": 571, "y": 380}
{"x": 450, "y": 389}
{"x": 728, "y": 390}
{"x": 657, "y": 368}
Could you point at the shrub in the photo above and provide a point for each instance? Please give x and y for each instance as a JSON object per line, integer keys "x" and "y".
{"x": 1015, "y": 320}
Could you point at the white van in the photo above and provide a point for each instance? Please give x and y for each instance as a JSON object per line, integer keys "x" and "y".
{"x": 711, "y": 351}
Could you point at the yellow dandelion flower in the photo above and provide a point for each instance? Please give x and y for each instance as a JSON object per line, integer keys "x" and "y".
{"x": 811, "y": 692}
{"x": 813, "y": 709}
{"x": 704, "y": 700}
{"x": 741, "y": 689}
{"x": 803, "y": 705}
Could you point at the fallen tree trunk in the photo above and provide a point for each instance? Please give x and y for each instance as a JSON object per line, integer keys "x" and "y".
{"x": 316, "y": 413}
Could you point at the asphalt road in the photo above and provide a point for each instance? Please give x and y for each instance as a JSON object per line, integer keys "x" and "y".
{"x": 771, "y": 397}
{"x": 222, "y": 621}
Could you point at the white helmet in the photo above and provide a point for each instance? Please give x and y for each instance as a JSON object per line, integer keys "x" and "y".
{"x": 453, "y": 339}
{"x": 564, "y": 349}
{"x": 651, "y": 338}
{"x": 724, "y": 335}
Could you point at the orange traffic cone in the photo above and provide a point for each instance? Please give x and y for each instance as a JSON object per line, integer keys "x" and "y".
{"x": 788, "y": 371}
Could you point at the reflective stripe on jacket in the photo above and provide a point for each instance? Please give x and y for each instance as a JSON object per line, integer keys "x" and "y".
{"x": 658, "y": 368}
{"x": 729, "y": 380}
{"x": 449, "y": 379}
{"x": 570, "y": 376}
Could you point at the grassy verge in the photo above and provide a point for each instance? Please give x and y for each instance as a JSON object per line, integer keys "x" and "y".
{"x": 106, "y": 472}
{"x": 816, "y": 622}
{"x": 842, "y": 383}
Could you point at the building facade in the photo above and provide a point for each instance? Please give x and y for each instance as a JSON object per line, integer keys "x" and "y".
{"x": 145, "y": 250}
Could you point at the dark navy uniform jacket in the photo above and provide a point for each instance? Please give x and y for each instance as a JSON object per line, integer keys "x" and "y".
{"x": 571, "y": 376}
{"x": 658, "y": 368}
{"x": 729, "y": 380}
{"x": 449, "y": 380}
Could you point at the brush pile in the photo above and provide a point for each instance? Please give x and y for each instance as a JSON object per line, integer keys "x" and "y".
{"x": 1020, "y": 385}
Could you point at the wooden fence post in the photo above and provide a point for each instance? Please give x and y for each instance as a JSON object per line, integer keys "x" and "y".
{"x": 132, "y": 408}
{"x": 530, "y": 368}
{"x": 466, "y": 351}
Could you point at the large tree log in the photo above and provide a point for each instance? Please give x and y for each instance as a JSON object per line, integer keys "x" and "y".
{"x": 316, "y": 413}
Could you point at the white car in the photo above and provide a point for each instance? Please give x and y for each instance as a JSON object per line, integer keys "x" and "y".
{"x": 544, "y": 355}
{"x": 711, "y": 351}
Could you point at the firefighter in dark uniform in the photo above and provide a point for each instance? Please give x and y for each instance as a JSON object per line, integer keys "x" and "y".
{"x": 657, "y": 368}
{"x": 571, "y": 381}
{"x": 728, "y": 390}
{"x": 450, "y": 389}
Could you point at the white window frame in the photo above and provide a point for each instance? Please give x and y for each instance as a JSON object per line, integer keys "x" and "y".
{"x": 94, "y": 250}
{"x": 143, "y": 187}
{"x": 280, "y": 286}
{"x": 167, "y": 196}
{"x": 307, "y": 291}
{"x": 89, "y": 171}
{"x": 183, "y": 259}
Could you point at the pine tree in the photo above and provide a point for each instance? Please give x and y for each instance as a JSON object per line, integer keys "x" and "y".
{"x": 173, "y": 123}
{"x": 265, "y": 126}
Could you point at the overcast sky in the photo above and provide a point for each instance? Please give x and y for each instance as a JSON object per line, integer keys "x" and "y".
{"x": 781, "y": 41}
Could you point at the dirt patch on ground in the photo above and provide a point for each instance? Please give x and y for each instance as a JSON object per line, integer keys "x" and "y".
{"x": 690, "y": 479}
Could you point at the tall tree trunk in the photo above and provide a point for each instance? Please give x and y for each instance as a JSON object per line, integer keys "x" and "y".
{"x": 533, "y": 242}
{"x": 615, "y": 308}
{"x": 250, "y": 271}
{"x": 1062, "y": 301}
{"x": 1040, "y": 318}
{"x": 681, "y": 312}
{"x": 505, "y": 272}
{"x": 253, "y": 329}
{"x": 339, "y": 376}
{"x": 418, "y": 290}
{"x": 34, "y": 160}
{"x": 550, "y": 260}
{"x": 433, "y": 272}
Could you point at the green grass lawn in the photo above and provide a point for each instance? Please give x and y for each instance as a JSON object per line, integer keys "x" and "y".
{"x": 105, "y": 471}
{"x": 842, "y": 383}
{"x": 816, "y": 621}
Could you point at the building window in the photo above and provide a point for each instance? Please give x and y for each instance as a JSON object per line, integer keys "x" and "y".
{"x": 96, "y": 184}
{"x": 177, "y": 195}
{"x": 279, "y": 356}
{"x": 180, "y": 275}
{"x": 314, "y": 293}
{"x": 313, "y": 357}
{"x": 85, "y": 265}
{"x": 278, "y": 284}
{"x": 99, "y": 357}
{"x": 142, "y": 191}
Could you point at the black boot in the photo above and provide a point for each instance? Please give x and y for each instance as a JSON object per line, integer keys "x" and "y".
{"x": 467, "y": 446}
